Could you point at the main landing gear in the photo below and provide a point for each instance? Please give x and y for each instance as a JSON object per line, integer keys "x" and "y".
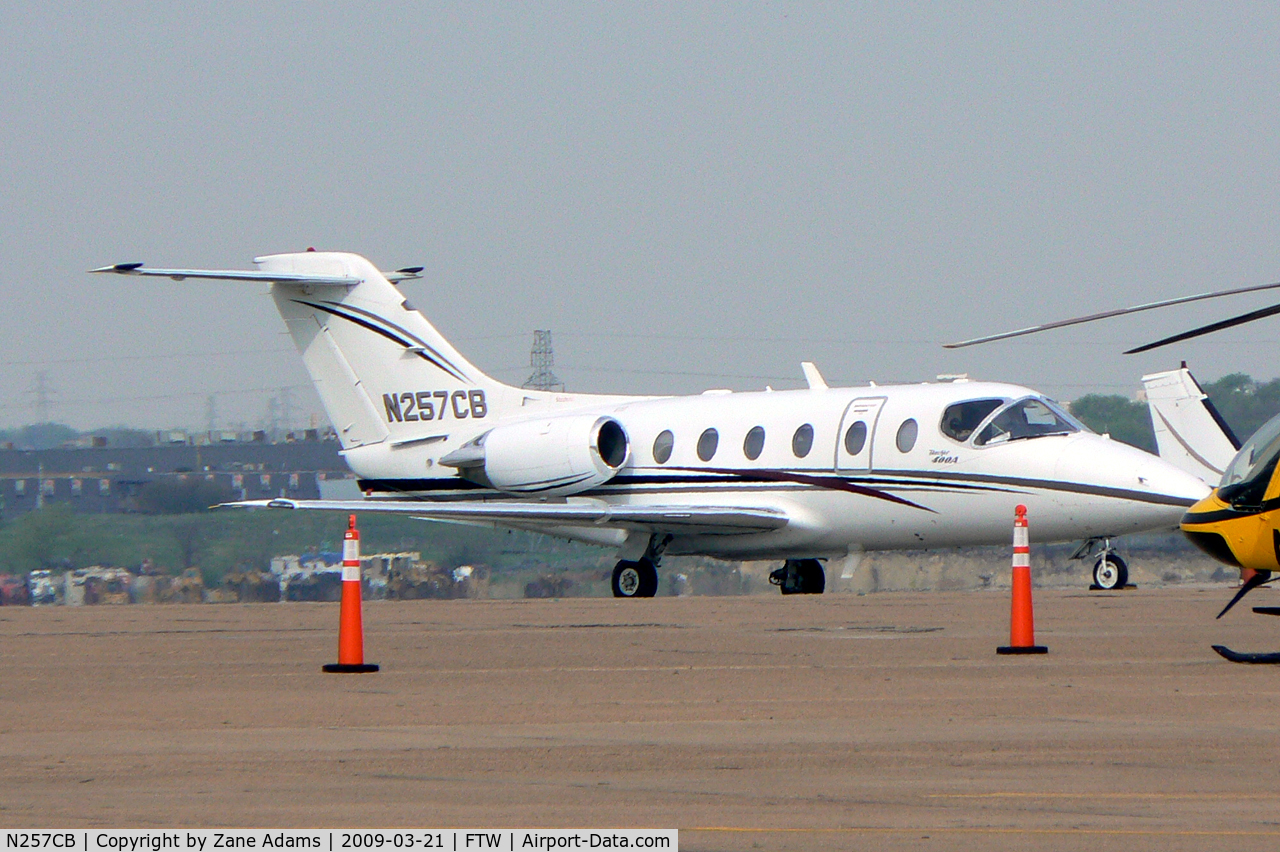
{"x": 638, "y": 578}
{"x": 800, "y": 577}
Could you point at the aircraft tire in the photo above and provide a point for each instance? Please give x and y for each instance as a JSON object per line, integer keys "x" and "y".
{"x": 1110, "y": 572}
{"x": 800, "y": 577}
{"x": 815, "y": 579}
{"x": 635, "y": 579}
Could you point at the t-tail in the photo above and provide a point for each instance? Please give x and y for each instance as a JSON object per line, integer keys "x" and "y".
{"x": 1190, "y": 433}
{"x": 380, "y": 368}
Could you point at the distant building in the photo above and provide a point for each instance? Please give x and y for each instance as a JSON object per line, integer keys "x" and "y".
{"x": 104, "y": 479}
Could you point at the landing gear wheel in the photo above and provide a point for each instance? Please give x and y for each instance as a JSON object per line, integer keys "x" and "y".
{"x": 1110, "y": 572}
{"x": 800, "y": 577}
{"x": 815, "y": 579}
{"x": 635, "y": 579}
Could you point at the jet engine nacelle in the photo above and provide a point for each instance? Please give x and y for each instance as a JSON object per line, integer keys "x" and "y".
{"x": 553, "y": 456}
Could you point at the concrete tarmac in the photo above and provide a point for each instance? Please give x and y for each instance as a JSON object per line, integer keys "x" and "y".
{"x": 832, "y": 722}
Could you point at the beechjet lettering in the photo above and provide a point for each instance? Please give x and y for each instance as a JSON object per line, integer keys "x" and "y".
{"x": 801, "y": 476}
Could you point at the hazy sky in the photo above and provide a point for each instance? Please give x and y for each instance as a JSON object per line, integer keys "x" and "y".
{"x": 689, "y": 196}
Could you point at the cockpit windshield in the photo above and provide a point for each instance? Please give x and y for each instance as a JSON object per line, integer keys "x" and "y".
{"x": 1032, "y": 417}
{"x": 1250, "y": 471}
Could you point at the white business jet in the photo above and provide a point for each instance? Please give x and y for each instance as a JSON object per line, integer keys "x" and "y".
{"x": 799, "y": 475}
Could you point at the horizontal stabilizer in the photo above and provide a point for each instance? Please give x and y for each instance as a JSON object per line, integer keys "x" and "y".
{"x": 686, "y": 520}
{"x": 1190, "y": 433}
{"x": 263, "y": 277}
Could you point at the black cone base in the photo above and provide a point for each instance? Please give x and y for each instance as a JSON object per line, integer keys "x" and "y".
{"x": 1022, "y": 649}
{"x": 350, "y": 668}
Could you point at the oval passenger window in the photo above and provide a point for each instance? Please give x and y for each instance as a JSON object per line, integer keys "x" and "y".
{"x": 707, "y": 443}
{"x": 753, "y": 444}
{"x": 855, "y": 438}
{"x": 907, "y": 433}
{"x": 662, "y": 446}
{"x": 802, "y": 441}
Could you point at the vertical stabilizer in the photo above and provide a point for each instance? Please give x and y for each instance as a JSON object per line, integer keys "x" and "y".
{"x": 381, "y": 369}
{"x": 1190, "y": 433}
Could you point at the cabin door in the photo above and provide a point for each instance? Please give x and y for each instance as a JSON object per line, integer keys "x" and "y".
{"x": 856, "y": 440}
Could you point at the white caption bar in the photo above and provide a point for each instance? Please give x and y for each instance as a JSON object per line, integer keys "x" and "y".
{"x": 342, "y": 840}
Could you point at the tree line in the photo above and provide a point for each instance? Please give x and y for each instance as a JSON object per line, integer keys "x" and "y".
{"x": 1244, "y": 403}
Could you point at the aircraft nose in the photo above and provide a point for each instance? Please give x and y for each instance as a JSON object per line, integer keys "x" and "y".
{"x": 1118, "y": 466}
{"x": 1165, "y": 479}
{"x": 1140, "y": 491}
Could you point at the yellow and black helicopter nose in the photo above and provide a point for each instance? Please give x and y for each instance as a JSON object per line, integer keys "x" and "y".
{"x": 1243, "y": 537}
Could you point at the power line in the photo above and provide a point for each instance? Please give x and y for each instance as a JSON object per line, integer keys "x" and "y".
{"x": 286, "y": 408}
{"x": 542, "y": 358}
{"x": 111, "y": 359}
{"x": 112, "y": 400}
{"x": 40, "y": 391}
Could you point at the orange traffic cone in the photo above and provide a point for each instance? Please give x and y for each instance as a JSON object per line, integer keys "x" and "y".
{"x": 1022, "y": 628}
{"x": 350, "y": 628}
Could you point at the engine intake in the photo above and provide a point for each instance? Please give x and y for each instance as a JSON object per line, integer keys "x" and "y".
{"x": 552, "y": 456}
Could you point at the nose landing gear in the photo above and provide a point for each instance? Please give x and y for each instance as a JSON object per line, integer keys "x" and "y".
{"x": 1110, "y": 572}
{"x": 800, "y": 577}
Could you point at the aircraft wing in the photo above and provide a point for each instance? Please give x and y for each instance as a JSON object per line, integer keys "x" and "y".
{"x": 689, "y": 520}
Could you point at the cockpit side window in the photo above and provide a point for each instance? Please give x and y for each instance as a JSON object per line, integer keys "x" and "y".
{"x": 1247, "y": 477}
{"x": 959, "y": 420}
{"x": 1032, "y": 417}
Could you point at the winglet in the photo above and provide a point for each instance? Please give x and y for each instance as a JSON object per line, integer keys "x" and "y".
{"x": 812, "y": 376}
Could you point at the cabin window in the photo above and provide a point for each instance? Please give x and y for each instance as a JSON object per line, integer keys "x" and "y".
{"x": 802, "y": 441}
{"x": 707, "y": 443}
{"x": 1027, "y": 418}
{"x": 855, "y": 438}
{"x": 907, "y": 433}
{"x": 753, "y": 444}
{"x": 960, "y": 420}
{"x": 662, "y": 446}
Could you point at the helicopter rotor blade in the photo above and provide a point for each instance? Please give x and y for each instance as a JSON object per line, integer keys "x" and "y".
{"x": 1209, "y": 329}
{"x": 1164, "y": 303}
